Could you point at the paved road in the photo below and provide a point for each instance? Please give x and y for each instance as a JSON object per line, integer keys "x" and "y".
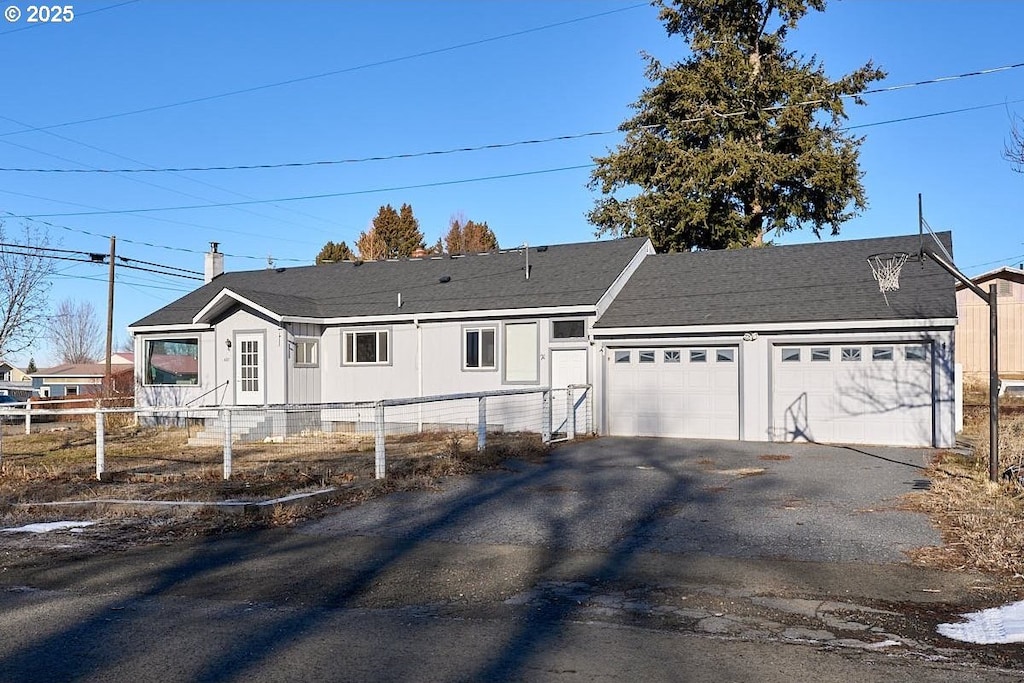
{"x": 615, "y": 560}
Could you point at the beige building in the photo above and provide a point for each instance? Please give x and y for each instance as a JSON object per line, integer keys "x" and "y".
{"x": 973, "y": 325}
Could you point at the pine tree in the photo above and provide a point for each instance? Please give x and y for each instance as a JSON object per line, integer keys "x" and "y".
{"x": 332, "y": 253}
{"x": 31, "y": 366}
{"x": 739, "y": 139}
{"x": 393, "y": 234}
{"x": 469, "y": 237}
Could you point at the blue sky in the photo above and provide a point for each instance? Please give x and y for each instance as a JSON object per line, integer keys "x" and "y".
{"x": 574, "y": 78}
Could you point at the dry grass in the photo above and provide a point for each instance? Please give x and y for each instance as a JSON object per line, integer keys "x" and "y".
{"x": 982, "y": 523}
{"x": 148, "y": 464}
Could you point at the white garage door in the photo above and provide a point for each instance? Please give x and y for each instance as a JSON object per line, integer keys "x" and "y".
{"x": 853, "y": 393}
{"x": 674, "y": 392}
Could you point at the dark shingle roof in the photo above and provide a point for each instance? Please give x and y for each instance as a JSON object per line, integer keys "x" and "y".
{"x": 826, "y": 281}
{"x": 560, "y": 275}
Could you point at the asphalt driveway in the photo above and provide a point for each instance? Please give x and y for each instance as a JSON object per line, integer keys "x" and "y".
{"x": 782, "y": 501}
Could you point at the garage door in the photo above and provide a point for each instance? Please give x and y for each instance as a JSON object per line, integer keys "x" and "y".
{"x": 853, "y": 393}
{"x": 674, "y": 392}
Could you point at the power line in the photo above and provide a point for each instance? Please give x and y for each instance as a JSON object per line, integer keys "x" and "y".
{"x": 440, "y": 183}
{"x": 37, "y": 251}
{"x": 519, "y": 143}
{"x": 325, "y": 74}
{"x": 324, "y": 162}
{"x": 467, "y": 180}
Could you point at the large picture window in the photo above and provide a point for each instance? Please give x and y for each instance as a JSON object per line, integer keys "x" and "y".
{"x": 172, "y": 361}
{"x": 479, "y": 347}
{"x": 366, "y": 348}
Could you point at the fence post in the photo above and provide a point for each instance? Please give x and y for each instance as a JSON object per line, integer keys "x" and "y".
{"x": 226, "y": 419}
{"x": 481, "y": 427}
{"x": 380, "y": 470}
{"x": 101, "y": 451}
{"x": 28, "y": 418}
{"x": 570, "y": 415}
{"x": 545, "y": 416}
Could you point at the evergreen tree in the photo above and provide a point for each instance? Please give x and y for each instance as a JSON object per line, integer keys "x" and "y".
{"x": 332, "y": 253}
{"x": 393, "y": 234}
{"x": 31, "y": 366}
{"x": 739, "y": 139}
{"x": 469, "y": 237}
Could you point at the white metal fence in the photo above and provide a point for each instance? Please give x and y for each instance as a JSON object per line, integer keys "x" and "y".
{"x": 311, "y": 429}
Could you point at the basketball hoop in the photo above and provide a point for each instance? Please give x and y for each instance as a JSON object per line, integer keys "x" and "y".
{"x": 886, "y": 268}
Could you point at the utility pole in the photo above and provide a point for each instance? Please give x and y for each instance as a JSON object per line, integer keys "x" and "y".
{"x": 107, "y": 379}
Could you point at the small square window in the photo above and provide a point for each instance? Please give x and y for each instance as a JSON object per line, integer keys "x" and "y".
{"x": 790, "y": 355}
{"x": 725, "y": 355}
{"x": 821, "y": 354}
{"x": 568, "y": 329}
{"x": 305, "y": 353}
{"x": 479, "y": 348}
{"x": 851, "y": 353}
{"x": 698, "y": 356}
{"x": 672, "y": 356}
{"x": 881, "y": 353}
{"x": 916, "y": 353}
{"x": 647, "y": 356}
{"x": 622, "y": 356}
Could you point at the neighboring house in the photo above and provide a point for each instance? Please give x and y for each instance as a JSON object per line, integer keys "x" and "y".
{"x": 780, "y": 343}
{"x": 972, "y": 330}
{"x": 79, "y": 379}
{"x": 14, "y": 381}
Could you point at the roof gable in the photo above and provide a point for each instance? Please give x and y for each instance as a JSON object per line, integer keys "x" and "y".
{"x": 821, "y": 282}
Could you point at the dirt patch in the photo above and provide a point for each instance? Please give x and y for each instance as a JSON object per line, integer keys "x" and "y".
{"x": 775, "y": 457}
{"x": 157, "y": 464}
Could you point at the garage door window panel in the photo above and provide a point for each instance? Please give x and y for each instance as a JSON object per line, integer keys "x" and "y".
{"x": 790, "y": 355}
{"x": 915, "y": 353}
{"x": 725, "y": 355}
{"x": 672, "y": 356}
{"x": 622, "y": 356}
{"x": 646, "y": 357}
{"x": 881, "y": 353}
{"x": 851, "y": 353}
{"x": 823, "y": 354}
{"x": 698, "y": 356}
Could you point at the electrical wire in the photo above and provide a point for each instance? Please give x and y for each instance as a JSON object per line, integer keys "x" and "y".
{"x": 325, "y": 74}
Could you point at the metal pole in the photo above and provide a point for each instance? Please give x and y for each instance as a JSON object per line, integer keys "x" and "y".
{"x": 993, "y": 385}
{"x": 380, "y": 468}
{"x": 108, "y": 387}
{"x": 545, "y": 417}
{"x": 481, "y": 426}
{"x": 101, "y": 454}
{"x": 570, "y": 415}
{"x": 226, "y": 419}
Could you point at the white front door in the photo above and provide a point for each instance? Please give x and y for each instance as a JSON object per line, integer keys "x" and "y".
{"x": 568, "y": 366}
{"x": 250, "y": 379}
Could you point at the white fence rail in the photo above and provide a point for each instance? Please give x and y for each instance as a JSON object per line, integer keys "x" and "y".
{"x": 554, "y": 414}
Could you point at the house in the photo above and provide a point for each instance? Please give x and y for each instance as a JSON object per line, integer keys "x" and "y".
{"x": 14, "y": 381}
{"x": 69, "y": 380}
{"x": 781, "y": 343}
{"x": 972, "y": 330}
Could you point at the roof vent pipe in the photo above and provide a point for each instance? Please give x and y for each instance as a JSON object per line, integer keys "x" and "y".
{"x": 526, "y": 248}
{"x": 399, "y": 299}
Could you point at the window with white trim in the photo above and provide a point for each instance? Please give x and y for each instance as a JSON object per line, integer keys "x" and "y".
{"x": 171, "y": 361}
{"x": 568, "y": 329}
{"x": 646, "y": 357}
{"x": 622, "y": 356}
{"x": 881, "y": 353}
{"x": 820, "y": 354}
{"x": 725, "y": 355}
{"x": 698, "y": 356}
{"x": 672, "y": 356}
{"x": 71, "y": 390}
{"x": 791, "y": 355}
{"x": 368, "y": 347}
{"x": 478, "y": 348}
{"x": 915, "y": 353}
{"x": 307, "y": 353}
{"x": 850, "y": 353}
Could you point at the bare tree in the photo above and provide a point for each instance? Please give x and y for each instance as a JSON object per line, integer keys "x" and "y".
{"x": 75, "y": 332}
{"x": 24, "y": 285}
{"x": 125, "y": 344}
{"x": 1014, "y": 152}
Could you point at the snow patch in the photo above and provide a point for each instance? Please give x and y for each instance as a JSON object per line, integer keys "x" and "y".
{"x": 43, "y": 527}
{"x": 991, "y": 626}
